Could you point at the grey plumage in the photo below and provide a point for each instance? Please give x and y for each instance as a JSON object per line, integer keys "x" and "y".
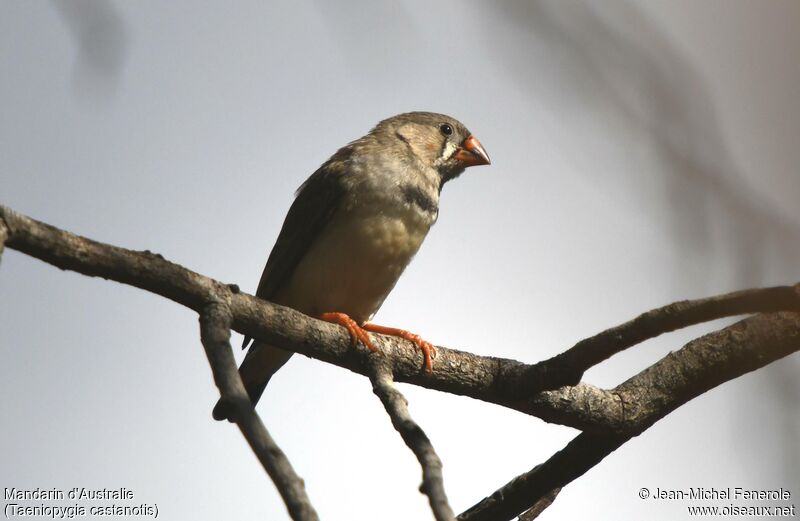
{"x": 355, "y": 224}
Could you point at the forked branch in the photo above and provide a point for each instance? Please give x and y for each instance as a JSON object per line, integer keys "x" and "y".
{"x": 608, "y": 417}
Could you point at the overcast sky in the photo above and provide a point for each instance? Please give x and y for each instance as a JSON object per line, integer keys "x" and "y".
{"x": 643, "y": 152}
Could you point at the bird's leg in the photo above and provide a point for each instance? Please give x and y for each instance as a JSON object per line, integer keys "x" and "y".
{"x": 357, "y": 333}
{"x": 428, "y": 351}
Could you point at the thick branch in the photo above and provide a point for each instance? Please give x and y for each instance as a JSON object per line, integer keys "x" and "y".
{"x": 397, "y": 408}
{"x": 485, "y": 378}
{"x": 540, "y": 506}
{"x": 524, "y": 491}
{"x": 215, "y": 321}
{"x": 675, "y": 379}
{"x": 635, "y": 405}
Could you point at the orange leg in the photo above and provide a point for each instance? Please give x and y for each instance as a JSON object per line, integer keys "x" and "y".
{"x": 357, "y": 333}
{"x": 428, "y": 351}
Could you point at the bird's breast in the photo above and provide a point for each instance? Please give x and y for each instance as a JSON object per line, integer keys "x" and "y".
{"x": 357, "y": 259}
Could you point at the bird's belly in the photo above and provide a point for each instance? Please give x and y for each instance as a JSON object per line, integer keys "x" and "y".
{"x": 354, "y": 265}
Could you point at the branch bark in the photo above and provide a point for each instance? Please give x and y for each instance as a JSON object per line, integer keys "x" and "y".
{"x": 481, "y": 377}
{"x": 215, "y": 322}
{"x": 209, "y": 298}
{"x": 505, "y": 382}
{"x": 540, "y": 506}
{"x": 3, "y": 237}
{"x": 397, "y": 407}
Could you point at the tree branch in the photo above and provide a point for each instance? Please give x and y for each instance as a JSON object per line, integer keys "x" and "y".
{"x": 484, "y": 378}
{"x": 540, "y": 506}
{"x": 3, "y": 237}
{"x": 215, "y": 322}
{"x": 495, "y": 380}
{"x": 397, "y": 407}
{"x": 591, "y": 351}
{"x": 635, "y": 405}
{"x": 208, "y": 297}
{"x": 609, "y": 417}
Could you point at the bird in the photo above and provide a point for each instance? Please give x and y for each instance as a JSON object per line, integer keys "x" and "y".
{"x": 354, "y": 226}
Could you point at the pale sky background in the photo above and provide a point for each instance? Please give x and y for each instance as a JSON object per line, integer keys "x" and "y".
{"x": 643, "y": 152}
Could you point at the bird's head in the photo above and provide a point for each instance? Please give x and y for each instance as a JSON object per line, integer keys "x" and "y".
{"x": 437, "y": 141}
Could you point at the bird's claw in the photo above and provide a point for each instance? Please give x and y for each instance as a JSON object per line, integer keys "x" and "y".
{"x": 428, "y": 350}
{"x": 360, "y": 334}
{"x": 357, "y": 333}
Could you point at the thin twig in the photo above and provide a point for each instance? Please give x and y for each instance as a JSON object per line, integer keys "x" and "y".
{"x": 644, "y": 399}
{"x": 593, "y": 350}
{"x": 215, "y": 321}
{"x": 397, "y": 408}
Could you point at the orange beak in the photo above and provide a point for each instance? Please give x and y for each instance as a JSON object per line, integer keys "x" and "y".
{"x": 472, "y": 153}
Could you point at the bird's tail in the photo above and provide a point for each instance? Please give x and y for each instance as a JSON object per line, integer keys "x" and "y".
{"x": 261, "y": 362}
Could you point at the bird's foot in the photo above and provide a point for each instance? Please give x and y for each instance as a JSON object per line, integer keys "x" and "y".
{"x": 357, "y": 333}
{"x": 428, "y": 351}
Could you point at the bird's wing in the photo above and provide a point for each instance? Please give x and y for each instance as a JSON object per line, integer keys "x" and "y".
{"x": 315, "y": 203}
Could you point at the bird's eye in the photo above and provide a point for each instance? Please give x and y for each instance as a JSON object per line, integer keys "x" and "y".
{"x": 446, "y": 129}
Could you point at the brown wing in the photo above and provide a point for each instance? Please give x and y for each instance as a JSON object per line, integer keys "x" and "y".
{"x": 315, "y": 203}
